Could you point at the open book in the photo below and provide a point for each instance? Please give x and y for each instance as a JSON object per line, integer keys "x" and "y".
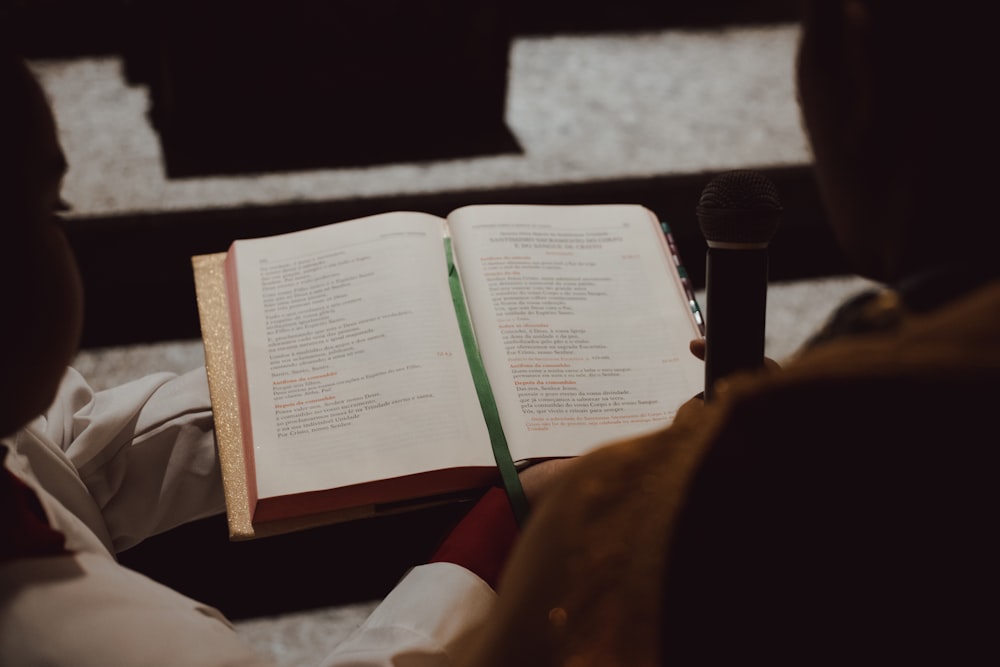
{"x": 389, "y": 361}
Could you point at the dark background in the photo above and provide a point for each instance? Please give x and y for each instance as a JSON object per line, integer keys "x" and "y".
{"x": 231, "y": 81}
{"x": 66, "y": 28}
{"x": 208, "y": 63}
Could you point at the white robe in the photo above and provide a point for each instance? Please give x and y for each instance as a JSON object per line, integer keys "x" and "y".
{"x": 114, "y": 467}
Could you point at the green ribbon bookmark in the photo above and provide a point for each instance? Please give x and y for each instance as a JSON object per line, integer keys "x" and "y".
{"x": 501, "y": 452}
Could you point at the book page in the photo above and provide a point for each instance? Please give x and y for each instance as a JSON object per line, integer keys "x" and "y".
{"x": 355, "y": 366}
{"x": 581, "y": 319}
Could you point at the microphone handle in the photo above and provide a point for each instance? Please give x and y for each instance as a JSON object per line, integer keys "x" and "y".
{"x": 736, "y": 295}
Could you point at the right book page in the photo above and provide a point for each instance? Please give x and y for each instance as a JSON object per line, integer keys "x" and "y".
{"x": 582, "y": 321}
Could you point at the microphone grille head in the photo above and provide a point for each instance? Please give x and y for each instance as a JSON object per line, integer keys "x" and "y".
{"x": 739, "y": 207}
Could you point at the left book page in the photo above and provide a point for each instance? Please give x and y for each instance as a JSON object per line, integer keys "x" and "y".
{"x": 353, "y": 380}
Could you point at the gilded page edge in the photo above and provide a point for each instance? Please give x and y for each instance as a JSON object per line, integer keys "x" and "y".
{"x": 216, "y": 333}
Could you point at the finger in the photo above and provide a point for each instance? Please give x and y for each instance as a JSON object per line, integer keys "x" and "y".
{"x": 697, "y": 347}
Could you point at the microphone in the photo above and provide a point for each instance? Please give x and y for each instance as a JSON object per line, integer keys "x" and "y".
{"x": 738, "y": 213}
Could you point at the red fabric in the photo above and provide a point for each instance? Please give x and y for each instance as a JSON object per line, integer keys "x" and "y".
{"x": 24, "y": 528}
{"x": 482, "y": 540}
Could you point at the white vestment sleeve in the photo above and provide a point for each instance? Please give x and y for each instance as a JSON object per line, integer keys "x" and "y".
{"x": 424, "y": 622}
{"x": 86, "y": 610}
{"x": 145, "y": 451}
{"x": 114, "y": 467}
